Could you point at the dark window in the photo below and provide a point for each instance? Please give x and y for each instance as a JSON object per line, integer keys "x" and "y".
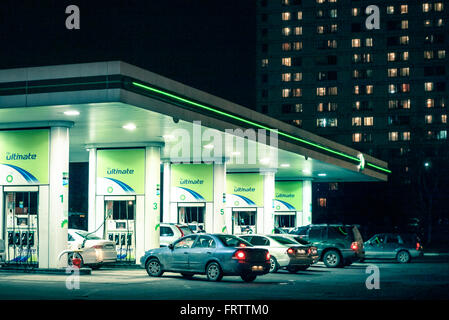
{"x": 186, "y": 242}
{"x": 287, "y": 108}
{"x": 356, "y": 27}
{"x": 205, "y": 242}
{"x": 264, "y": 47}
{"x": 332, "y": 75}
{"x": 392, "y": 238}
{"x": 332, "y": 59}
{"x": 166, "y": 232}
{"x": 296, "y": 61}
{"x": 338, "y": 232}
{"x": 265, "y": 78}
{"x": 315, "y": 234}
{"x": 260, "y": 241}
{"x": 233, "y": 241}
{"x": 264, "y": 108}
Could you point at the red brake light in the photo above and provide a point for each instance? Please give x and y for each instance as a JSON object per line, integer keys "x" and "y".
{"x": 268, "y": 256}
{"x": 240, "y": 255}
{"x": 242, "y": 245}
{"x": 290, "y": 251}
{"x": 418, "y": 246}
{"x": 355, "y": 246}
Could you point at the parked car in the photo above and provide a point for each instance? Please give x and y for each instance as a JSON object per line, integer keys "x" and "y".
{"x": 338, "y": 245}
{"x": 284, "y": 252}
{"x": 170, "y": 232}
{"x": 95, "y": 250}
{"x": 215, "y": 255}
{"x": 400, "y": 246}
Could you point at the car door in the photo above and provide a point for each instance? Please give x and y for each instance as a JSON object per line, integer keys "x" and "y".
{"x": 201, "y": 253}
{"x": 179, "y": 255}
{"x": 391, "y": 246}
{"x": 374, "y": 247}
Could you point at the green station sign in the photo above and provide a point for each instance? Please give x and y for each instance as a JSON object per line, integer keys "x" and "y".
{"x": 192, "y": 182}
{"x": 244, "y": 189}
{"x": 120, "y": 171}
{"x": 288, "y": 195}
{"x": 24, "y": 157}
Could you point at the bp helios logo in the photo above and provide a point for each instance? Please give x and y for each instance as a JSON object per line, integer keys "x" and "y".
{"x": 20, "y": 156}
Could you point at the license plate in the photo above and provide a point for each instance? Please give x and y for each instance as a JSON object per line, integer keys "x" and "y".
{"x": 256, "y": 268}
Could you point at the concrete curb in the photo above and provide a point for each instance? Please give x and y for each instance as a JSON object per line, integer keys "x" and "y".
{"x": 83, "y": 271}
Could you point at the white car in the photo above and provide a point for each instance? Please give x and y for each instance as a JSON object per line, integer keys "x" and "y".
{"x": 170, "y": 232}
{"x": 285, "y": 252}
{"x": 96, "y": 251}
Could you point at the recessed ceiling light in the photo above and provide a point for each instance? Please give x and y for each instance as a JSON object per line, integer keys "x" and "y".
{"x": 208, "y": 146}
{"x": 285, "y": 165}
{"x": 322, "y": 174}
{"x": 129, "y": 126}
{"x": 71, "y": 113}
{"x": 306, "y": 171}
{"x": 264, "y": 160}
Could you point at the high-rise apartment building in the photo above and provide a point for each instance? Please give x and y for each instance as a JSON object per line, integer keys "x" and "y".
{"x": 383, "y": 91}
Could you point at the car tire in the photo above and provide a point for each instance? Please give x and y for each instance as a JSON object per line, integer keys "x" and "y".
{"x": 274, "y": 265}
{"x": 332, "y": 259}
{"x": 248, "y": 277}
{"x": 403, "y": 257}
{"x": 187, "y": 275}
{"x": 154, "y": 268}
{"x": 214, "y": 272}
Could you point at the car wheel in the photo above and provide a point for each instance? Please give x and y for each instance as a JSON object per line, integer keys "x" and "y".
{"x": 274, "y": 266}
{"x": 332, "y": 259}
{"x": 72, "y": 255}
{"x": 154, "y": 268}
{"x": 292, "y": 269}
{"x": 403, "y": 257}
{"x": 248, "y": 277}
{"x": 214, "y": 272}
{"x": 187, "y": 275}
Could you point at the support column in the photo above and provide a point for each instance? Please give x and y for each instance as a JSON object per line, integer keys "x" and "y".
{"x": 152, "y": 201}
{"x": 306, "y": 203}
{"x": 92, "y": 191}
{"x": 167, "y": 191}
{"x": 58, "y": 196}
{"x": 219, "y": 198}
{"x": 268, "y": 198}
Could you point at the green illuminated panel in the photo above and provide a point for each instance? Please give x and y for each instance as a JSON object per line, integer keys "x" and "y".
{"x": 254, "y": 124}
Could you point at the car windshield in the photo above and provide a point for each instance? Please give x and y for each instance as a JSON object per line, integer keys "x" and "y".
{"x": 233, "y": 241}
{"x": 302, "y": 241}
{"x": 283, "y": 240}
{"x": 86, "y": 235}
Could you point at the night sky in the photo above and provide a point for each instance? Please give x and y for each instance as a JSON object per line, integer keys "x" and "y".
{"x": 207, "y": 44}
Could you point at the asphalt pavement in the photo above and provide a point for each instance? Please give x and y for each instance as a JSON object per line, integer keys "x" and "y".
{"x": 426, "y": 279}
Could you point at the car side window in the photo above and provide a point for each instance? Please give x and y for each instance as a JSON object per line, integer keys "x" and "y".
{"x": 204, "y": 242}
{"x": 185, "y": 243}
{"x": 315, "y": 234}
{"x": 392, "y": 239}
{"x": 379, "y": 239}
{"x": 166, "y": 232}
{"x": 260, "y": 241}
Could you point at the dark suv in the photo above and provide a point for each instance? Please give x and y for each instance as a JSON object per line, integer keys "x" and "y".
{"x": 338, "y": 245}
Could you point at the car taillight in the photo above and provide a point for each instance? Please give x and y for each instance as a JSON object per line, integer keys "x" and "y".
{"x": 268, "y": 256}
{"x": 418, "y": 246}
{"x": 290, "y": 250}
{"x": 240, "y": 255}
{"x": 242, "y": 245}
{"x": 355, "y": 246}
{"x": 180, "y": 230}
{"x": 98, "y": 246}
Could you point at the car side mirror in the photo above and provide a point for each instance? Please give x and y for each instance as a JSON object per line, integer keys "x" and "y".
{"x": 171, "y": 246}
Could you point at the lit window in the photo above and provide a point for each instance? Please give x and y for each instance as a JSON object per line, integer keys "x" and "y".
{"x": 390, "y": 9}
{"x": 297, "y": 76}
{"x": 438, "y": 6}
{"x": 286, "y": 16}
{"x": 369, "y": 89}
{"x": 369, "y": 42}
{"x": 404, "y": 8}
{"x": 405, "y": 72}
{"x": 320, "y": 29}
{"x": 428, "y": 54}
{"x": 333, "y": 13}
{"x": 321, "y": 91}
{"x": 368, "y": 121}
{"x": 356, "y": 137}
{"x": 287, "y": 62}
{"x": 426, "y": 7}
{"x": 322, "y": 202}
{"x": 442, "y": 135}
{"x": 333, "y": 91}
{"x": 392, "y": 88}
{"x": 286, "y": 93}
{"x": 355, "y": 12}
{"x": 404, "y": 40}
{"x": 355, "y": 43}
{"x": 297, "y": 123}
{"x": 297, "y": 92}
{"x": 393, "y": 136}
{"x": 320, "y": 1}
{"x": 405, "y": 87}
{"x": 440, "y": 22}
{"x": 334, "y": 27}
{"x": 297, "y": 46}
{"x": 441, "y": 54}
{"x": 406, "y": 136}
{"x": 286, "y": 46}
{"x": 428, "y": 119}
{"x": 404, "y": 24}
{"x": 299, "y": 15}
{"x": 286, "y": 77}
{"x": 298, "y": 107}
{"x": 264, "y": 63}
{"x": 321, "y": 122}
{"x": 405, "y": 104}
{"x": 298, "y": 31}
{"x": 356, "y": 121}
{"x": 427, "y": 23}
{"x": 286, "y": 31}
{"x": 444, "y": 118}
{"x": 392, "y": 72}
{"x": 391, "y": 56}
{"x": 356, "y": 90}
{"x": 430, "y": 103}
{"x": 428, "y": 86}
